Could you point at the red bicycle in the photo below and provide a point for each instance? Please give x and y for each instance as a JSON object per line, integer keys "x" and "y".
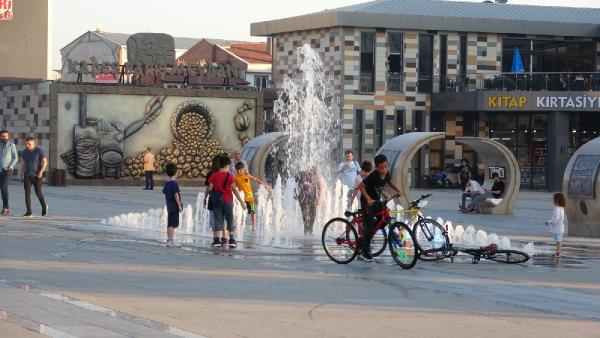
{"x": 340, "y": 237}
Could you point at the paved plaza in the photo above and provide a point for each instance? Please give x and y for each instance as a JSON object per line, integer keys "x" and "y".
{"x": 67, "y": 275}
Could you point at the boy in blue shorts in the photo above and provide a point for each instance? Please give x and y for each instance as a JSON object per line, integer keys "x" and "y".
{"x": 173, "y": 200}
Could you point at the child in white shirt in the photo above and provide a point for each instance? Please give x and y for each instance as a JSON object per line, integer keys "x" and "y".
{"x": 557, "y": 222}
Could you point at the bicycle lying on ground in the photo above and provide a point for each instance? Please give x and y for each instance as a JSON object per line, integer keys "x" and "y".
{"x": 340, "y": 237}
{"x": 492, "y": 253}
{"x": 433, "y": 243}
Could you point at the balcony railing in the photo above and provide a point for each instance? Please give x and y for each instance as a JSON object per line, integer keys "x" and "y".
{"x": 517, "y": 82}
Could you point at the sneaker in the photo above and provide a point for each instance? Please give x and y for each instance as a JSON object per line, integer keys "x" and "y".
{"x": 216, "y": 242}
{"x": 223, "y": 242}
{"x": 28, "y": 214}
{"x": 45, "y": 211}
{"x": 366, "y": 255}
{"x": 232, "y": 243}
{"x": 170, "y": 243}
{"x": 4, "y": 212}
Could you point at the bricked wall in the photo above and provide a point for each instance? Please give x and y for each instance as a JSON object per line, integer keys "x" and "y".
{"x": 25, "y": 112}
{"x": 328, "y": 42}
{"x": 340, "y": 48}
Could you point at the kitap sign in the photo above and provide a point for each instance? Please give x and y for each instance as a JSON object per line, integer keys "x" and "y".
{"x": 6, "y": 10}
{"x": 540, "y": 101}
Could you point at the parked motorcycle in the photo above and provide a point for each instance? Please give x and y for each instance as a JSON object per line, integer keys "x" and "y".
{"x": 438, "y": 179}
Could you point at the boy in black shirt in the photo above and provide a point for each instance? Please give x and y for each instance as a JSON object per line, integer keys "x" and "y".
{"x": 371, "y": 190}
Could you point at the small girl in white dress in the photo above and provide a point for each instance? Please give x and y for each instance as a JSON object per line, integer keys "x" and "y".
{"x": 557, "y": 222}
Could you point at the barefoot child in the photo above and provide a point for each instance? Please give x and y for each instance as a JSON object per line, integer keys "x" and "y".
{"x": 173, "y": 200}
{"x": 556, "y": 223}
{"x": 242, "y": 181}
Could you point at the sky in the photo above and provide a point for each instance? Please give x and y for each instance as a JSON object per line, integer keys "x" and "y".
{"x": 227, "y": 19}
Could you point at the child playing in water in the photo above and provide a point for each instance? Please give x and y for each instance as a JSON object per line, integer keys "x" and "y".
{"x": 242, "y": 181}
{"x": 556, "y": 223}
{"x": 173, "y": 201}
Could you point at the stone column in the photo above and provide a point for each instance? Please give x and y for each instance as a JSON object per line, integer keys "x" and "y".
{"x": 558, "y": 149}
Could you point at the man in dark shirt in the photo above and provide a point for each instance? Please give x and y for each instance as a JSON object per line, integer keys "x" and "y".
{"x": 498, "y": 187}
{"x": 464, "y": 172}
{"x": 371, "y": 190}
{"x": 33, "y": 165}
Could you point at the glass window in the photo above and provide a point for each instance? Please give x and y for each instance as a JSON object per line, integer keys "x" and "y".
{"x": 436, "y": 122}
{"x": 425, "y": 70}
{"x": 399, "y": 128}
{"x": 358, "y": 132}
{"x": 367, "y": 61}
{"x": 418, "y": 124}
{"x": 395, "y": 62}
{"x": 470, "y": 121}
{"x": 260, "y": 81}
{"x": 443, "y": 62}
{"x": 463, "y": 54}
{"x": 508, "y": 51}
{"x": 379, "y": 121}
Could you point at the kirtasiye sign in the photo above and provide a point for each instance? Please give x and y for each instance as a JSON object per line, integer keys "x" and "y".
{"x": 539, "y": 101}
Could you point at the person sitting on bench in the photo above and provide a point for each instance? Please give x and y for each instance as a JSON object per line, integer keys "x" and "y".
{"x": 472, "y": 190}
{"x": 496, "y": 192}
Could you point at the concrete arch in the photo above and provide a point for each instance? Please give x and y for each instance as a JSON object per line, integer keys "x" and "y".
{"x": 581, "y": 188}
{"x": 401, "y": 150}
{"x": 256, "y": 151}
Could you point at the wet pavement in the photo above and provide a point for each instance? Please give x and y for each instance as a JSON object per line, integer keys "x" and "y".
{"x": 68, "y": 275}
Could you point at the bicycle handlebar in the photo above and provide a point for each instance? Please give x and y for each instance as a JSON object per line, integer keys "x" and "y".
{"x": 415, "y": 204}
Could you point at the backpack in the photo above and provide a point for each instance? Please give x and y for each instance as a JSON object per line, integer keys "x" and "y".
{"x": 215, "y": 198}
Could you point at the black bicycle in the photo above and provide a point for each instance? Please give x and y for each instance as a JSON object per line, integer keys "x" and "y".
{"x": 492, "y": 253}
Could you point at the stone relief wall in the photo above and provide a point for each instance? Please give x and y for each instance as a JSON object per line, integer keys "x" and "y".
{"x": 104, "y": 135}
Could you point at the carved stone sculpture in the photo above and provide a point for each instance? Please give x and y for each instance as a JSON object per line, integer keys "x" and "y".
{"x": 151, "y": 49}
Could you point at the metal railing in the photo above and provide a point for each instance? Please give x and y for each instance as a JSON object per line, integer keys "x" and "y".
{"x": 580, "y": 81}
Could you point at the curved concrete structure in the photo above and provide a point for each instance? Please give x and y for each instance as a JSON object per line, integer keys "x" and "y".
{"x": 256, "y": 151}
{"x": 495, "y": 154}
{"x": 581, "y": 188}
{"x": 401, "y": 150}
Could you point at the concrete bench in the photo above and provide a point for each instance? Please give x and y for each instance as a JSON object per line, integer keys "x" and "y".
{"x": 486, "y": 206}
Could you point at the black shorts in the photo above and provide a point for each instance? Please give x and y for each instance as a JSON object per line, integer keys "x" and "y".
{"x": 173, "y": 220}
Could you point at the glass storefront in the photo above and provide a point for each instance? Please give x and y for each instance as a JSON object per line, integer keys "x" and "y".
{"x": 583, "y": 127}
{"x": 550, "y": 55}
{"x": 526, "y": 134}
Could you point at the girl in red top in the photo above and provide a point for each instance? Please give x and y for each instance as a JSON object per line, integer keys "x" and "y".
{"x": 223, "y": 184}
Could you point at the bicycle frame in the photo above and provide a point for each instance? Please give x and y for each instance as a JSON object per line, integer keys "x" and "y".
{"x": 384, "y": 216}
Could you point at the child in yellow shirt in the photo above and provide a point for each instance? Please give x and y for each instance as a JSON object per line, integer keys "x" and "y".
{"x": 242, "y": 181}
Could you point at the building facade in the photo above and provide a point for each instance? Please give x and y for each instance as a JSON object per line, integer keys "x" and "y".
{"x": 25, "y": 48}
{"x": 418, "y": 65}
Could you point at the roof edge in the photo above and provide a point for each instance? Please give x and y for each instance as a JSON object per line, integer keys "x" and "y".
{"x": 421, "y": 22}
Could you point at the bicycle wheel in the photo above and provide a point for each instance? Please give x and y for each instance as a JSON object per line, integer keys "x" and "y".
{"x": 340, "y": 241}
{"x": 508, "y": 257}
{"x": 378, "y": 242}
{"x": 402, "y": 245}
{"x": 431, "y": 239}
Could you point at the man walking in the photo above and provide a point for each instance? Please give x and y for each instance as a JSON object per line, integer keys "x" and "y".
{"x": 8, "y": 160}
{"x": 347, "y": 171}
{"x": 237, "y": 157}
{"x": 149, "y": 169}
{"x": 33, "y": 165}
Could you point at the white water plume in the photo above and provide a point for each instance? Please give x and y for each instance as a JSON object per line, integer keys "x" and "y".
{"x": 308, "y": 112}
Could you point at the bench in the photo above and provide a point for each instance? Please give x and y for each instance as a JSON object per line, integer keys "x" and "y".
{"x": 485, "y": 206}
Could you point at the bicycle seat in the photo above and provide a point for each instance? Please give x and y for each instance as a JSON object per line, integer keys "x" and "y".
{"x": 349, "y": 213}
{"x": 492, "y": 248}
